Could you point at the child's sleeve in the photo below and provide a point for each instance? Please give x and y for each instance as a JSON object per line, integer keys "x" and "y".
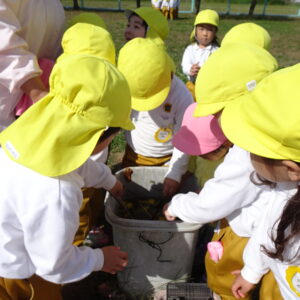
{"x": 187, "y": 61}
{"x": 97, "y": 174}
{"x": 17, "y": 63}
{"x": 255, "y": 260}
{"x": 229, "y": 190}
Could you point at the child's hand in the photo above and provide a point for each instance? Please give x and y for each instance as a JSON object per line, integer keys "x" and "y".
{"x": 114, "y": 259}
{"x": 240, "y": 287}
{"x": 194, "y": 69}
{"x": 117, "y": 190}
{"x": 166, "y": 213}
{"x": 170, "y": 187}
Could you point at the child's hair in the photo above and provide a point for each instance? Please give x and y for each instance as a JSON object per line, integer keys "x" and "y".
{"x": 108, "y": 132}
{"x": 288, "y": 224}
{"x": 287, "y": 231}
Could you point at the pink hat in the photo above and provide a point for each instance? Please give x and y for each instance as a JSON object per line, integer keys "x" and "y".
{"x": 198, "y": 135}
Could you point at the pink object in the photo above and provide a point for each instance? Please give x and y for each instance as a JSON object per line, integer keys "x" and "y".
{"x": 25, "y": 102}
{"x": 198, "y": 136}
{"x": 215, "y": 250}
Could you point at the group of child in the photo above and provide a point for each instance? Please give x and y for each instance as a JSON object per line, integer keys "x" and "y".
{"x": 48, "y": 154}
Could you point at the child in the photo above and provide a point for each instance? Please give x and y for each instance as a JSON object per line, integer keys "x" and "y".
{"x": 266, "y": 123}
{"x": 45, "y": 163}
{"x": 204, "y": 43}
{"x": 159, "y": 100}
{"x": 146, "y": 22}
{"x": 101, "y": 43}
{"x": 226, "y": 74}
{"x": 203, "y": 139}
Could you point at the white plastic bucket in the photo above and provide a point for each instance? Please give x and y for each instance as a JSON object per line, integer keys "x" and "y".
{"x": 159, "y": 251}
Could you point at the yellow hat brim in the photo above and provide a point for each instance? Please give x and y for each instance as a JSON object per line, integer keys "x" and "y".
{"x": 205, "y": 109}
{"x": 152, "y": 102}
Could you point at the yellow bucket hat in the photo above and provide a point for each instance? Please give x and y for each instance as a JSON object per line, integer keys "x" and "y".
{"x": 248, "y": 33}
{"x": 230, "y": 72}
{"x": 266, "y": 121}
{"x": 88, "y": 39}
{"x": 57, "y": 134}
{"x": 157, "y": 23}
{"x": 89, "y": 18}
{"x": 206, "y": 16}
{"x": 147, "y": 68}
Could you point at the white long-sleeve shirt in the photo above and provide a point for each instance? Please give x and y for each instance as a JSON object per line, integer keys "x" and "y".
{"x": 39, "y": 217}
{"x": 230, "y": 194}
{"x": 28, "y": 29}
{"x": 193, "y": 54}
{"x": 257, "y": 263}
{"x": 152, "y": 124}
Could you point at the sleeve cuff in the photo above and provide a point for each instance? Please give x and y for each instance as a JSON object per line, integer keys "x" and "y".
{"x": 250, "y": 275}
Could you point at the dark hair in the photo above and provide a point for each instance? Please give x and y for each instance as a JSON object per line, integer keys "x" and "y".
{"x": 287, "y": 230}
{"x": 108, "y": 132}
{"x": 143, "y": 23}
{"x": 288, "y": 224}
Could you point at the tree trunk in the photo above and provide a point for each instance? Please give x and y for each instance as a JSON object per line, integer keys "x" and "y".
{"x": 76, "y": 5}
{"x": 138, "y": 3}
{"x": 252, "y": 7}
{"x": 197, "y": 6}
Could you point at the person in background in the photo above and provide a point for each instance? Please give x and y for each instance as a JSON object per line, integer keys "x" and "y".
{"x": 44, "y": 164}
{"x": 146, "y": 22}
{"x": 204, "y": 43}
{"x": 204, "y": 141}
{"x": 159, "y": 100}
{"x": 29, "y": 30}
{"x": 266, "y": 123}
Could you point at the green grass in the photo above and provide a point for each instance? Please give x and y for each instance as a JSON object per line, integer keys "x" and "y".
{"x": 285, "y": 45}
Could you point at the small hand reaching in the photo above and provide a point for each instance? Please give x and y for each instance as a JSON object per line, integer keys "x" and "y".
{"x": 166, "y": 213}
{"x": 240, "y": 287}
{"x": 115, "y": 260}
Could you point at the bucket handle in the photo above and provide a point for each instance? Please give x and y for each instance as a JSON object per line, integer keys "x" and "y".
{"x": 156, "y": 246}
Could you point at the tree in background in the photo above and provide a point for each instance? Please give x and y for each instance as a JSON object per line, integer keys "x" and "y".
{"x": 76, "y": 5}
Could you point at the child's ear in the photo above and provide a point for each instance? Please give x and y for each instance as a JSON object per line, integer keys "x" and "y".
{"x": 293, "y": 169}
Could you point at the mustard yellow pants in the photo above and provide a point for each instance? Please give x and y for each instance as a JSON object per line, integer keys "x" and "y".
{"x": 34, "y": 288}
{"x": 219, "y": 277}
{"x": 132, "y": 159}
{"x": 91, "y": 212}
{"x": 191, "y": 87}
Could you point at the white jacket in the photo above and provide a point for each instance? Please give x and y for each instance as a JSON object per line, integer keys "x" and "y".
{"x": 230, "y": 194}
{"x": 28, "y": 29}
{"x": 193, "y": 54}
{"x": 39, "y": 217}
{"x": 257, "y": 263}
{"x": 149, "y": 123}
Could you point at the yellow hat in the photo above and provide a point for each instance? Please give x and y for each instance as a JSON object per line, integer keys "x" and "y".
{"x": 230, "y": 72}
{"x": 248, "y": 33}
{"x": 147, "y": 69}
{"x": 89, "y": 18}
{"x": 57, "y": 134}
{"x": 94, "y": 40}
{"x": 206, "y": 16}
{"x": 157, "y": 23}
{"x": 266, "y": 121}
